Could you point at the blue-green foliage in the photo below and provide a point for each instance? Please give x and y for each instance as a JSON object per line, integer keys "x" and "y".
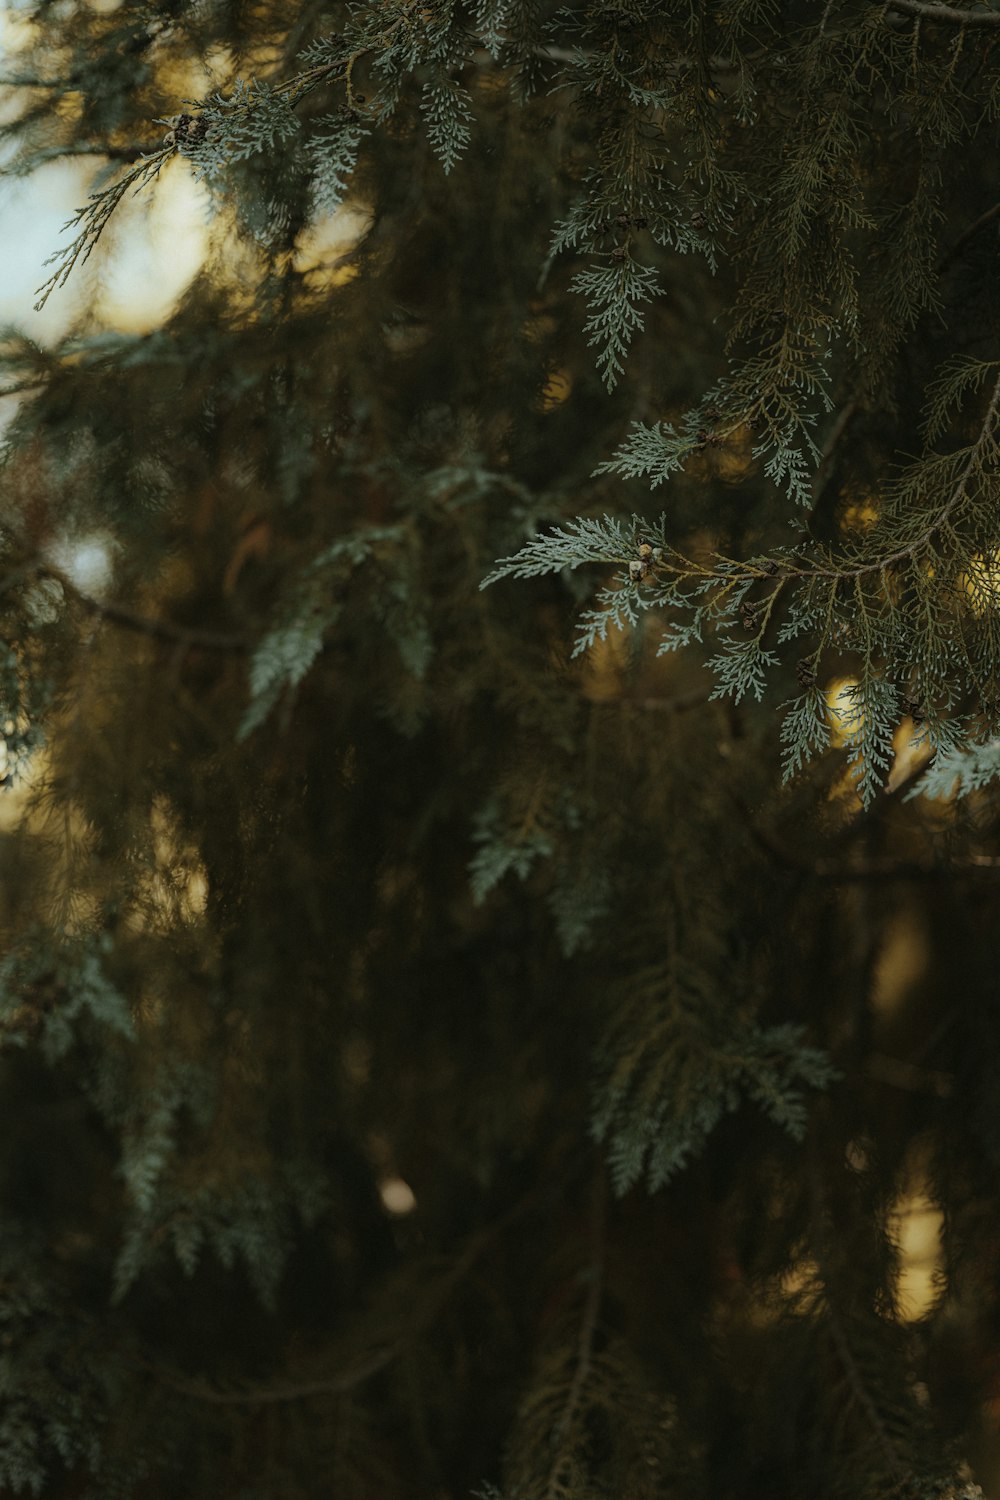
{"x": 661, "y": 1097}
{"x": 652, "y": 452}
{"x": 587, "y": 539}
{"x": 148, "y": 1094}
{"x": 614, "y": 296}
{"x": 879, "y": 596}
{"x": 46, "y": 994}
{"x": 48, "y": 1397}
{"x": 741, "y": 668}
{"x": 805, "y": 730}
{"x": 254, "y": 119}
{"x": 868, "y": 713}
{"x": 288, "y": 649}
{"x": 282, "y": 659}
{"x": 504, "y": 850}
{"x": 21, "y": 732}
{"x": 513, "y": 32}
{"x": 543, "y": 836}
{"x": 580, "y": 898}
{"x": 959, "y": 771}
{"x": 252, "y": 1222}
{"x": 334, "y": 145}
{"x": 447, "y": 108}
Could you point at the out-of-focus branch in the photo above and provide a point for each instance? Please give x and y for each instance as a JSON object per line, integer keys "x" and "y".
{"x": 158, "y": 629}
{"x": 952, "y": 14}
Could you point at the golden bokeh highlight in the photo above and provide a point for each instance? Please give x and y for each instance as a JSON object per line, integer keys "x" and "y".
{"x": 161, "y": 240}
{"x": 900, "y": 964}
{"x": 912, "y": 749}
{"x": 981, "y": 581}
{"x": 915, "y": 1225}
{"x": 605, "y": 666}
{"x": 556, "y": 389}
{"x": 841, "y": 709}
{"x": 325, "y": 247}
{"x": 859, "y": 513}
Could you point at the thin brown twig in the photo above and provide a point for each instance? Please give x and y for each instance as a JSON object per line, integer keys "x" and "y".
{"x": 686, "y": 567}
{"x": 595, "y": 1291}
{"x": 200, "y": 1390}
{"x": 157, "y": 629}
{"x": 588, "y": 1321}
{"x": 845, "y": 417}
{"x": 164, "y": 630}
{"x": 127, "y": 154}
{"x": 861, "y": 1393}
{"x": 952, "y": 14}
{"x": 356, "y": 1373}
{"x": 966, "y": 235}
{"x": 874, "y": 869}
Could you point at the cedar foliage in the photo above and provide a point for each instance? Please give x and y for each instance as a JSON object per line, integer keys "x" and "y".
{"x": 324, "y": 866}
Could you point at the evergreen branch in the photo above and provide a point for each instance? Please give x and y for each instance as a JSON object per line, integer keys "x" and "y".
{"x": 717, "y": 593}
{"x": 341, "y": 68}
{"x": 94, "y": 217}
{"x": 677, "y": 64}
{"x": 260, "y": 932}
{"x": 850, "y": 410}
{"x": 862, "y": 1395}
{"x": 927, "y": 532}
{"x": 189, "y": 135}
{"x": 614, "y": 294}
{"x": 586, "y": 539}
{"x": 959, "y": 771}
{"x": 588, "y": 1322}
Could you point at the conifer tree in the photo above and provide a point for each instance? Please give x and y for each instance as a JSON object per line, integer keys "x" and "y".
{"x": 498, "y": 863}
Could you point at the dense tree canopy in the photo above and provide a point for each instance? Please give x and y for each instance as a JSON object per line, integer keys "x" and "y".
{"x": 498, "y": 848}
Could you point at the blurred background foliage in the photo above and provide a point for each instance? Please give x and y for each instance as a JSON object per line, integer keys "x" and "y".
{"x": 434, "y": 1064}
